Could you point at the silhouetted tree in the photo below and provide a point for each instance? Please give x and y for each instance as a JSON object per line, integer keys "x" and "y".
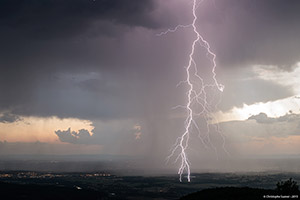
{"x": 290, "y": 186}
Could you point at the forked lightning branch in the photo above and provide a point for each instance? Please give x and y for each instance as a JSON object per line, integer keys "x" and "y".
{"x": 197, "y": 94}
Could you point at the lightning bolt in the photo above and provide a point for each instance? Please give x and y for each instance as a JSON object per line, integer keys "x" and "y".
{"x": 196, "y": 94}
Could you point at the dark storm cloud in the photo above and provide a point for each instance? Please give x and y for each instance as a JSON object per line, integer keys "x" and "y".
{"x": 49, "y": 49}
{"x": 66, "y": 18}
{"x": 240, "y": 92}
{"x": 44, "y": 43}
{"x": 253, "y": 31}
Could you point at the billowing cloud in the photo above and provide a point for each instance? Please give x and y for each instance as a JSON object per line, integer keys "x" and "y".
{"x": 263, "y": 118}
{"x": 104, "y": 132}
{"x": 263, "y": 127}
{"x": 7, "y": 117}
{"x": 80, "y": 137}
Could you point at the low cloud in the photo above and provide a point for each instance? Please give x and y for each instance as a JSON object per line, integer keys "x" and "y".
{"x": 104, "y": 132}
{"x": 81, "y": 137}
{"x": 263, "y": 118}
{"x": 262, "y": 126}
{"x": 7, "y": 117}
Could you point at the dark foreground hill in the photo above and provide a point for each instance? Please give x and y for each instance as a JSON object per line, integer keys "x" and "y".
{"x": 244, "y": 193}
{"x": 45, "y": 192}
{"x": 129, "y": 188}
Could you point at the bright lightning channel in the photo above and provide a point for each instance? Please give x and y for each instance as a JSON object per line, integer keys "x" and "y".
{"x": 195, "y": 96}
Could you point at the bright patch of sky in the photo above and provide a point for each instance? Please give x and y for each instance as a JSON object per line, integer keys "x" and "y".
{"x": 275, "y": 108}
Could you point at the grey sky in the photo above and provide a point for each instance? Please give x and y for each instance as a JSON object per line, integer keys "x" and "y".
{"x": 102, "y": 61}
{"x": 47, "y": 46}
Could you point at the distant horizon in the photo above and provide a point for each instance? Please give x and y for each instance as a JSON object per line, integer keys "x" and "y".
{"x": 136, "y": 165}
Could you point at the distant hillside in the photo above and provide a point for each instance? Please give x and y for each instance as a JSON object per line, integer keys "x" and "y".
{"x": 233, "y": 193}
